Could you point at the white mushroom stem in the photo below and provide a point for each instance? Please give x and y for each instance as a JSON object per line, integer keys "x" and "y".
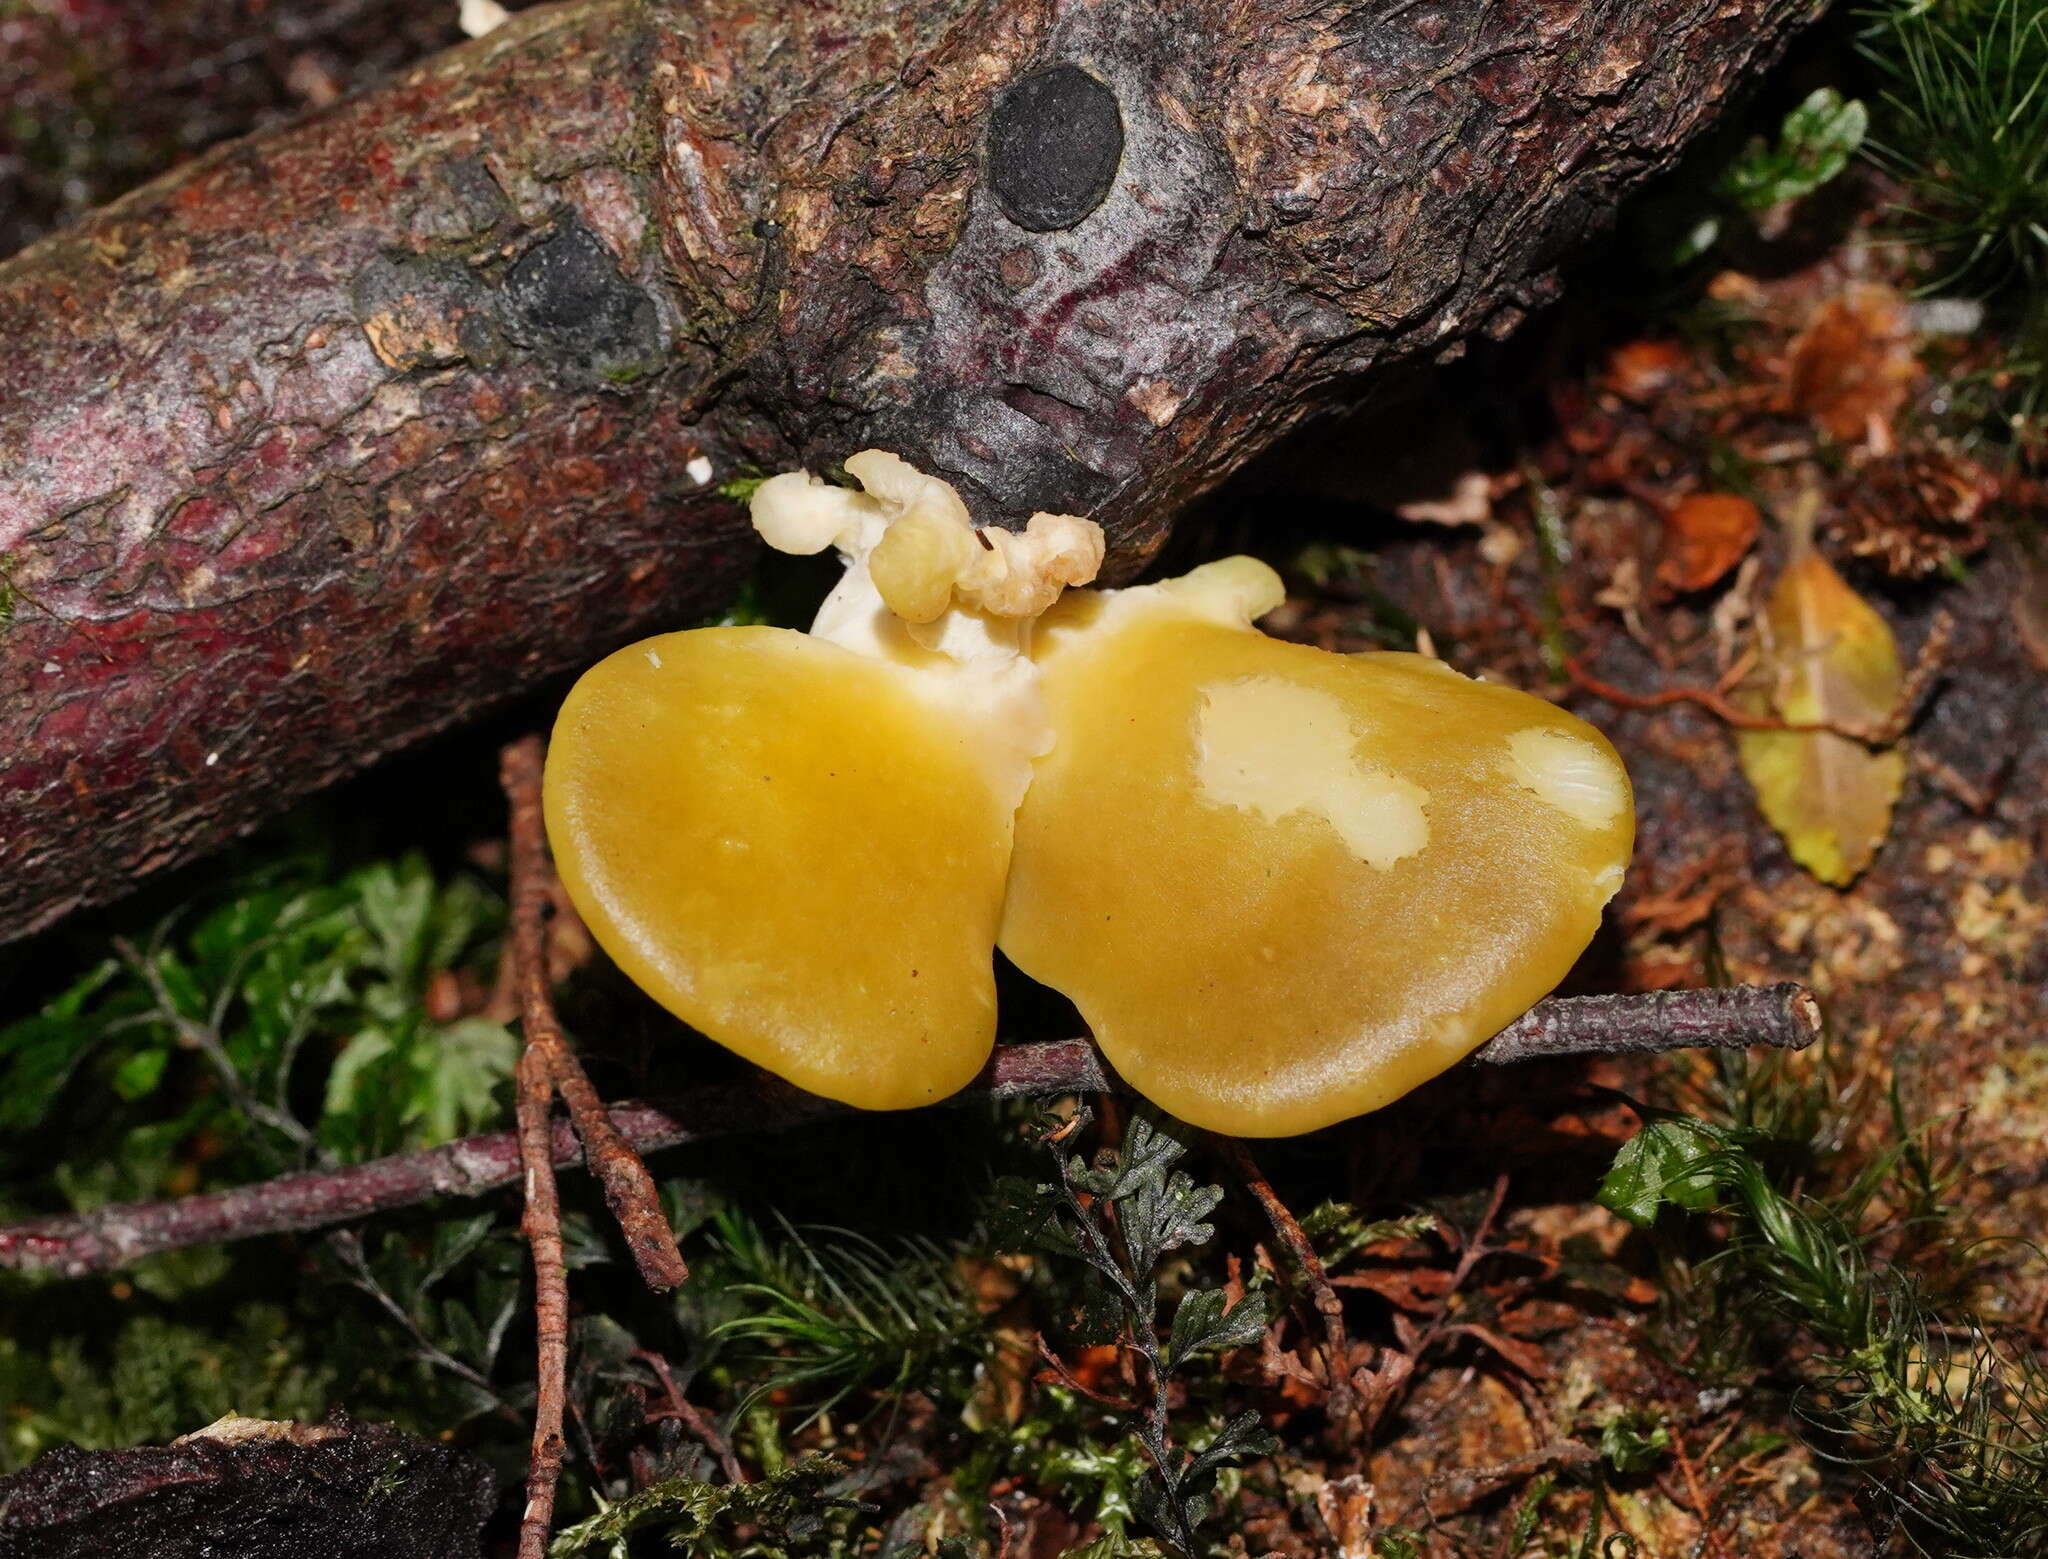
{"x": 928, "y": 590}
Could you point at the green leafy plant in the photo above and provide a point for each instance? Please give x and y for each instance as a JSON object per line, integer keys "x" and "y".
{"x": 1123, "y": 1216}
{"x": 1813, "y": 145}
{"x": 280, "y": 1018}
{"x": 1756, "y": 182}
{"x": 154, "y": 1376}
{"x": 829, "y": 1312}
{"x": 301, "y": 1003}
{"x": 1341, "y": 1232}
{"x": 1115, "y": 1546}
{"x": 453, "y": 1296}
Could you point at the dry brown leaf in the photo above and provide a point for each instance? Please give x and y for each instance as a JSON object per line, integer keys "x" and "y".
{"x": 1735, "y": 288}
{"x": 1422, "y": 1290}
{"x": 1524, "y": 1356}
{"x": 1640, "y": 370}
{"x": 1850, "y": 369}
{"x": 1827, "y": 658}
{"x": 1705, "y": 535}
{"x": 1917, "y": 510}
{"x": 1669, "y": 909}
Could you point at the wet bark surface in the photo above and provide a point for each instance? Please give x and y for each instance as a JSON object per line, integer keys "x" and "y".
{"x": 347, "y": 431}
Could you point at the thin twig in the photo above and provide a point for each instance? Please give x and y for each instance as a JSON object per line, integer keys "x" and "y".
{"x": 1700, "y": 1505}
{"x": 1474, "y": 1251}
{"x": 207, "y": 1041}
{"x": 1782, "y": 1017}
{"x": 1785, "y": 1017}
{"x": 543, "y": 1228}
{"x": 691, "y": 1417}
{"x": 629, "y": 1190}
{"x": 1925, "y": 667}
{"x": 347, "y": 1246}
{"x": 1709, "y": 699}
{"x": 1342, "y": 1405}
{"x": 1466, "y": 1483}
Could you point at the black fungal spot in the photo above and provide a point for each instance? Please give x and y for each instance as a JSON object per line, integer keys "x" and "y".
{"x": 1053, "y": 147}
{"x": 564, "y": 302}
{"x": 566, "y": 295}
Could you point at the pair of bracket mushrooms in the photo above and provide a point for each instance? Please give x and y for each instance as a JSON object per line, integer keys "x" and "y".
{"x": 1283, "y": 886}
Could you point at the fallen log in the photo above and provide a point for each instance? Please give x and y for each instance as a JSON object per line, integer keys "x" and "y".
{"x": 350, "y": 429}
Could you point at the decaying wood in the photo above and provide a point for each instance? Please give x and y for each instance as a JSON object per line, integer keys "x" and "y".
{"x": 1780, "y": 1016}
{"x": 254, "y": 1489}
{"x": 347, "y": 430}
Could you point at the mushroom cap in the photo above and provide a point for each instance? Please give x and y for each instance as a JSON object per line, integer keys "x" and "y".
{"x": 1286, "y": 886}
{"x": 795, "y": 849}
{"x": 1283, "y": 886}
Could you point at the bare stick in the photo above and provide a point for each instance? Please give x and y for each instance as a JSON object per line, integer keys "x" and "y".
{"x": 543, "y": 1228}
{"x": 1784, "y": 1017}
{"x": 1342, "y": 1405}
{"x": 628, "y": 1189}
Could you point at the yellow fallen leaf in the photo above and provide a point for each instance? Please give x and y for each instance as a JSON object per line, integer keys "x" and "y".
{"x": 1827, "y": 658}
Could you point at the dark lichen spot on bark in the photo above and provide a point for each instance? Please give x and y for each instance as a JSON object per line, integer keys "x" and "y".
{"x": 1054, "y": 143}
{"x": 566, "y": 298}
{"x": 475, "y": 202}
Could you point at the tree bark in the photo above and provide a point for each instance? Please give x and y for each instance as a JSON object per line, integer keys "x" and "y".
{"x": 347, "y": 430}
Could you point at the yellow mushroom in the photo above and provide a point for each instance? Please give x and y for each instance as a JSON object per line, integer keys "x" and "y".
{"x": 1283, "y": 886}
{"x": 798, "y": 842}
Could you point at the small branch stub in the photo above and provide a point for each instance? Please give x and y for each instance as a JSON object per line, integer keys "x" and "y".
{"x": 1782, "y": 1017}
{"x": 1054, "y": 144}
